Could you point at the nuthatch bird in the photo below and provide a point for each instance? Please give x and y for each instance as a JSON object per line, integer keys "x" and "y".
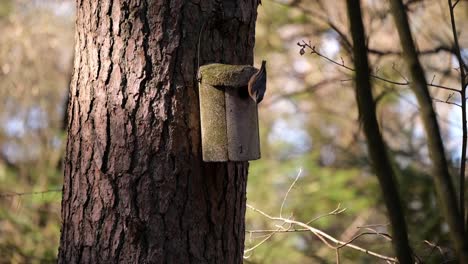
{"x": 257, "y": 84}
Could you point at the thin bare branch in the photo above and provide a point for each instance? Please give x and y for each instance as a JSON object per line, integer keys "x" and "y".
{"x": 381, "y": 234}
{"x": 13, "y": 194}
{"x": 399, "y": 53}
{"x": 358, "y": 236}
{"x": 337, "y": 211}
{"x": 326, "y": 238}
{"x": 434, "y": 246}
{"x": 261, "y": 231}
{"x": 446, "y": 102}
{"x": 313, "y": 50}
{"x": 261, "y": 242}
{"x": 289, "y": 190}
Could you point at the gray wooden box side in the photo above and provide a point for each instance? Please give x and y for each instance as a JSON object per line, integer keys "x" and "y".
{"x": 229, "y": 123}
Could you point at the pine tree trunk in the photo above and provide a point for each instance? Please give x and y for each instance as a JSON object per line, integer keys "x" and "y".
{"x": 135, "y": 187}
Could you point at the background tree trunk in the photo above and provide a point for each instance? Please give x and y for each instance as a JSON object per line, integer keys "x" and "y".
{"x": 376, "y": 146}
{"x": 135, "y": 187}
{"x": 441, "y": 175}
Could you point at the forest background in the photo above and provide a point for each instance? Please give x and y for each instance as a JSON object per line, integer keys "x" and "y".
{"x": 308, "y": 119}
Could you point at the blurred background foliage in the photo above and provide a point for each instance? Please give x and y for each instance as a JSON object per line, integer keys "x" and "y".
{"x": 36, "y": 51}
{"x": 308, "y": 121}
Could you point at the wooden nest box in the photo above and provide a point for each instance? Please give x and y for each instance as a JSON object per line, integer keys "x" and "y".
{"x": 229, "y": 117}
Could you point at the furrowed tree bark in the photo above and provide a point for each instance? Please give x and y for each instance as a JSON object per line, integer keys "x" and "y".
{"x": 135, "y": 188}
{"x": 375, "y": 143}
{"x": 443, "y": 184}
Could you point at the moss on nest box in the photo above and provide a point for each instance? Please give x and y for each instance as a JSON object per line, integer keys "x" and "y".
{"x": 235, "y": 76}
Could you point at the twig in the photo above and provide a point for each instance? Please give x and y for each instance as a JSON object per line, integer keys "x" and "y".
{"x": 358, "y": 236}
{"x": 294, "y": 230}
{"x": 373, "y": 225}
{"x": 375, "y": 232}
{"x": 338, "y": 210}
{"x": 433, "y": 247}
{"x": 261, "y": 242}
{"x": 337, "y": 250}
{"x": 304, "y": 45}
{"x": 13, "y": 194}
{"x": 446, "y": 102}
{"x": 422, "y": 52}
{"x": 326, "y": 238}
{"x": 399, "y": 73}
{"x": 289, "y": 190}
